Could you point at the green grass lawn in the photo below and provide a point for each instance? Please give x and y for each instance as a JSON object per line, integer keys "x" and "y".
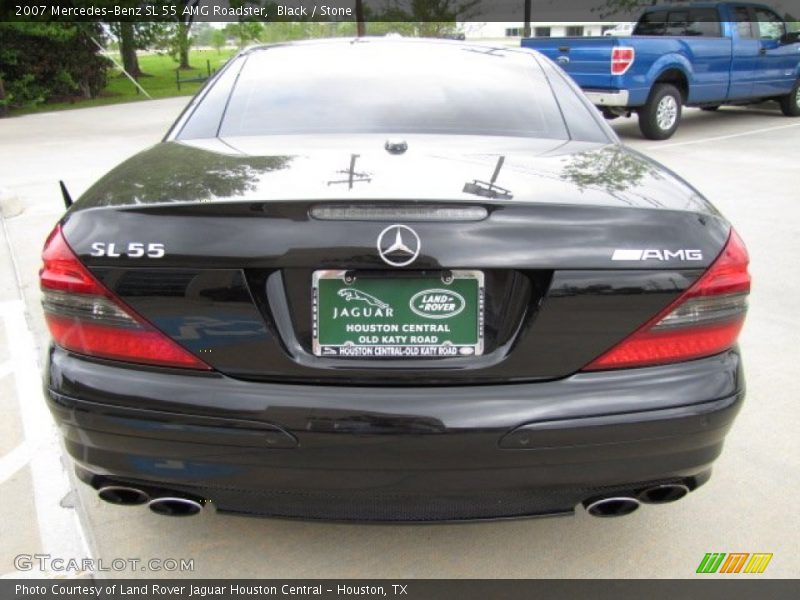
{"x": 160, "y": 83}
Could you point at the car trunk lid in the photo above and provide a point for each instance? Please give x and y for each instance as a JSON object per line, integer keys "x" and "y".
{"x": 588, "y": 247}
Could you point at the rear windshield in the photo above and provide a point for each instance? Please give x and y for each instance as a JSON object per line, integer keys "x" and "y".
{"x": 695, "y": 22}
{"x": 385, "y": 87}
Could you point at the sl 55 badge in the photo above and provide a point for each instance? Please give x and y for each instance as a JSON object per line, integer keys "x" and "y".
{"x": 132, "y": 250}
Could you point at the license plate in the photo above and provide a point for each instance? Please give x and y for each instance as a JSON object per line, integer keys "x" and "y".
{"x": 398, "y": 316}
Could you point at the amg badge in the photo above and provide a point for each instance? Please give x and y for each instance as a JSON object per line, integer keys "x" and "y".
{"x": 655, "y": 254}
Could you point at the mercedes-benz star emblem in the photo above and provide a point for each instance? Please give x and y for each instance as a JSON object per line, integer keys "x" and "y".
{"x": 398, "y": 245}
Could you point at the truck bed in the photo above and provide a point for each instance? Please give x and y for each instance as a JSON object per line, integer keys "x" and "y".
{"x": 706, "y": 61}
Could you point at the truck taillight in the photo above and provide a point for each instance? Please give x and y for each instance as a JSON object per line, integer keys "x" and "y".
{"x": 87, "y": 318}
{"x": 705, "y": 320}
{"x": 621, "y": 59}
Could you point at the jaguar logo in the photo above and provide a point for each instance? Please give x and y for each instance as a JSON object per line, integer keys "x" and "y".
{"x": 437, "y": 303}
{"x": 352, "y": 294}
{"x": 375, "y": 307}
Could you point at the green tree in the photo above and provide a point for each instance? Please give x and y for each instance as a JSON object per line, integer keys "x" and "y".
{"x": 360, "y": 19}
{"x": 131, "y": 35}
{"x": 202, "y": 33}
{"x": 245, "y": 32}
{"x": 3, "y": 107}
{"x": 177, "y": 38}
{"x": 285, "y": 31}
{"x": 42, "y": 61}
{"x": 182, "y": 43}
{"x": 218, "y": 40}
{"x": 404, "y": 28}
{"x": 134, "y": 36}
{"x": 433, "y": 18}
{"x": 127, "y": 47}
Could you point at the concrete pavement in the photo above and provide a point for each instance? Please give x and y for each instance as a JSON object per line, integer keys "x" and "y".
{"x": 37, "y": 491}
{"x": 745, "y": 160}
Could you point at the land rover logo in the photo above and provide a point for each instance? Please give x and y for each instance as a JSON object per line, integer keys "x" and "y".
{"x": 398, "y": 245}
{"x": 437, "y": 303}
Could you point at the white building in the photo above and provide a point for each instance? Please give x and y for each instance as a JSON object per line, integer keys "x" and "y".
{"x": 511, "y": 32}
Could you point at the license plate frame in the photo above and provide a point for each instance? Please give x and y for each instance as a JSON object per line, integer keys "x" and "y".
{"x": 424, "y": 306}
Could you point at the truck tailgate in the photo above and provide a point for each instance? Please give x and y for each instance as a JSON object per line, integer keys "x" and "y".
{"x": 589, "y": 58}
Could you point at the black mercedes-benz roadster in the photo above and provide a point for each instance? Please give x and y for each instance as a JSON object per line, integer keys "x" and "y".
{"x": 393, "y": 280}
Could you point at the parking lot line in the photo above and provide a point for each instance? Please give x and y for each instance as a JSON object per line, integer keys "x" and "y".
{"x": 13, "y": 461}
{"x": 716, "y": 138}
{"x": 59, "y": 528}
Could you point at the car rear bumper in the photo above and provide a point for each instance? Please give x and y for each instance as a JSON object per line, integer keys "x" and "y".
{"x": 608, "y": 97}
{"x": 386, "y": 454}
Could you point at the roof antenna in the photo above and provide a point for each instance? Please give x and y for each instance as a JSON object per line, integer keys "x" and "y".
{"x": 65, "y": 194}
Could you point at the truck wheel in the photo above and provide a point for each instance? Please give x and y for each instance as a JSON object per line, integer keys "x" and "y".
{"x": 790, "y": 104}
{"x": 660, "y": 117}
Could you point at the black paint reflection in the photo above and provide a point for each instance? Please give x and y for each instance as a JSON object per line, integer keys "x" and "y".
{"x": 612, "y": 169}
{"x": 175, "y": 173}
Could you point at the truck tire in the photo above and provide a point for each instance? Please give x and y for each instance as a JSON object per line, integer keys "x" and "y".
{"x": 660, "y": 117}
{"x": 790, "y": 104}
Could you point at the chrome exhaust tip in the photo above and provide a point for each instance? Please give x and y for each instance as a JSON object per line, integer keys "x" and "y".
{"x": 662, "y": 494}
{"x": 174, "y": 506}
{"x": 122, "y": 495}
{"x": 612, "y": 506}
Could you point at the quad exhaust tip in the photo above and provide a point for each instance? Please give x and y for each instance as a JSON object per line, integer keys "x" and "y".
{"x": 624, "y": 503}
{"x": 170, "y": 505}
{"x": 175, "y": 506}
{"x": 662, "y": 494}
{"x": 122, "y": 495}
{"x": 612, "y": 506}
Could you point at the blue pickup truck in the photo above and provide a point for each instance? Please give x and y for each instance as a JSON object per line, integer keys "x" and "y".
{"x": 703, "y": 55}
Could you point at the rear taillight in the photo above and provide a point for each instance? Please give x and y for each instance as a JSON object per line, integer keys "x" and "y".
{"x": 621, "y": 59}
{"x": 704, "y": 320}
{"x": 85, "y": 317}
